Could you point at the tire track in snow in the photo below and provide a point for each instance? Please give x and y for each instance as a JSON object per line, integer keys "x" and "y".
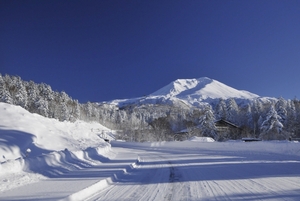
{"x": 127, "y": 185}
{"x": 174, "y": 183}
{"x": 169, "y": 175}
{"x": 155, "y": 178}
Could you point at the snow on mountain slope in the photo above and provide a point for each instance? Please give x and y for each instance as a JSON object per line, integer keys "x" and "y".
{"x": 177, "y": 87}
{"x": 186, "y": 92}
{"x": 201, "y": 89}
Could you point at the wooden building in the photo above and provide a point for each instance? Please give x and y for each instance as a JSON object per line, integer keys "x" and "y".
{"x": 226, "y": 128}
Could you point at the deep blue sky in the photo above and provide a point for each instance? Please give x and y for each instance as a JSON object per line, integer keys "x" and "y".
{"x": 110, "y": 49}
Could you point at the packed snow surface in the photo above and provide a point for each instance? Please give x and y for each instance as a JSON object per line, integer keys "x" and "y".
{"x": 71, "y": 161}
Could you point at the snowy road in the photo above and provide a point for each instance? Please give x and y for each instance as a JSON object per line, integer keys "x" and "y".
{"x": 191, "y": 171}
{"x": 178, "y": 171}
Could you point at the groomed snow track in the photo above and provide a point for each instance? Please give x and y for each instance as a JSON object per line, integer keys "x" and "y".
{"x": 193, "y": 171}
{"x": 65, "y": 175}
{"x": 169, "y": 171}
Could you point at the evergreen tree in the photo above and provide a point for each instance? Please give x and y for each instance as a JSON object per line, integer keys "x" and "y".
{"x": 4, "y": 92}
{"x": 32, "y": 94}
{"x": 88, "y": 110}
{"x": 291, "y": 118}
{"x": 280, "y": 108}
{"x": 46, "y": 92}
{"x": 246, "y": 120}
{"x": 63, "y": 105}
{"x": 75, "y": 110}
{"x": 272, "y": 127}
{"x": 232, "y": 111}
{"x": 207, "y": 123}
{"x": 20, "y": 95}
{"x": 41, "y": 106}
{"x": 221, "y": 110}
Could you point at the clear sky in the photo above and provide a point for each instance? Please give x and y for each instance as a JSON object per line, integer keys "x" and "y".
{"x": 100, "y": 50}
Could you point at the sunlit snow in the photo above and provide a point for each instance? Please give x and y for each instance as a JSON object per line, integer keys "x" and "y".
{"x": 193, "y": 92}
{"x": 44, "y": 159}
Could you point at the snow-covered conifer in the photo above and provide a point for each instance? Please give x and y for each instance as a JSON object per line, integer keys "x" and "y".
{"x": 221, "y": 109}
{"x": 63, "y": 105}
{"x": 4, "y": 92}
{"x": 20, "y": 93}
{"x": 272, "y": 127}
{"x": 75, "y": 110}
{"x": 41, "y": 106}
{"x": 232, "y": 111}
{"x": 207, "y": 123}
{"x": 291, "y": 118}
{"x": 88, "y": 110}
{"x": 32, "y": 94}
{"x": 280, "y": 108}
{"x": 46, "y": 92}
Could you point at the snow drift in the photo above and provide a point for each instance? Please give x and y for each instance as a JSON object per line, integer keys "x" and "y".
{"x": 31, "y": 144}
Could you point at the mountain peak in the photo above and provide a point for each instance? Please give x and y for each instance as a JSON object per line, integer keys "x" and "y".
{"x": 201, "y": 89}
{"x": 180, "y": 85}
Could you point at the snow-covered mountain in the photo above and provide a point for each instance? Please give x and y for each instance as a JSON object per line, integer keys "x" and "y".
{"x": 191, "y": 92}
{"x": 201, "y": 89}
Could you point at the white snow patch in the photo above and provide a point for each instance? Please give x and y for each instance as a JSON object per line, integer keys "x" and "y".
{"x": 201, "y": 139}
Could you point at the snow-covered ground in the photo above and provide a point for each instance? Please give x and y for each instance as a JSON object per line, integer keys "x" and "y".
{"x": 44, "y": 159}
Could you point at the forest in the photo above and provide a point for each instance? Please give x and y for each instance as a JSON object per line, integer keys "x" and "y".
{"x": 263, "y": 118}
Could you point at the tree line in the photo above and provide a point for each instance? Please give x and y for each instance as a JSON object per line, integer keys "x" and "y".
{"x": 265, "y": 118}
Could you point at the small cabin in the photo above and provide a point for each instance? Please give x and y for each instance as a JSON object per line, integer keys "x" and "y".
{"x": 226, "y": 128}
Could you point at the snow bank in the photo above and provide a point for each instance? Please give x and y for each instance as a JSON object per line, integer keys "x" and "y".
{"x": 23, "y": 171}
{"x": 32, "y": 143}
{"x": 21, "y": 130}
{"x": 201, "y": 139}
